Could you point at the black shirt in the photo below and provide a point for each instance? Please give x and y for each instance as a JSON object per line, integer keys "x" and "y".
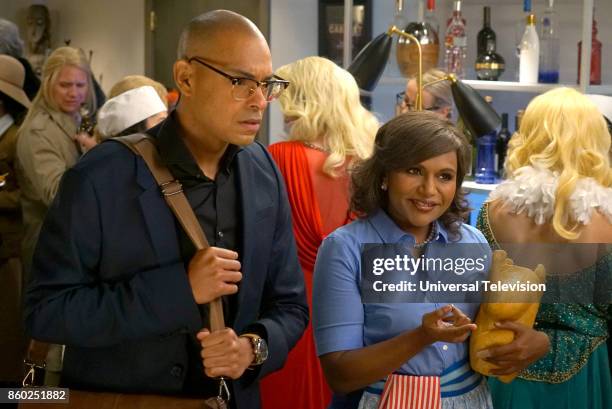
{"x": 216, "y": 203}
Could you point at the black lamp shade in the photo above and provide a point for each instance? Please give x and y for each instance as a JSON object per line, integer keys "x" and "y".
{"x": 478, "y": 115}
{"x": 370, "y": 63}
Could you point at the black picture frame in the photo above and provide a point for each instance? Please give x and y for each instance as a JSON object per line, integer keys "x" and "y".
{"x": 331, "y": 28}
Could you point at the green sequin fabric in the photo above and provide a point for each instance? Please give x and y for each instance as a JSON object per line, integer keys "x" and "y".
{"x": 574, "y": 330}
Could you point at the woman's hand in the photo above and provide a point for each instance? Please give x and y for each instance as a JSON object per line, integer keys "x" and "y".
{"x": 447, "y": 324}
{"x": 85, "y": 140}
{"x": 528, "y": 346}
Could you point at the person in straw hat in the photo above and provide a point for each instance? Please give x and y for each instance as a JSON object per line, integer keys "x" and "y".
{"x": 14, "y": 103}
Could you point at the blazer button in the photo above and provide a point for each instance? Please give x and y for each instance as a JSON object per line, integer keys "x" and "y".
{"x": 176, "y": 371}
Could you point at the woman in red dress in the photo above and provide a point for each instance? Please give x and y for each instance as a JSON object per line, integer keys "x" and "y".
{"x": 327, "y": 127}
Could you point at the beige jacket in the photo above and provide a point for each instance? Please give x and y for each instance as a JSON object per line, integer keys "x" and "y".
{"x": 45, "y": 150}
{"x": 12, "y": 340}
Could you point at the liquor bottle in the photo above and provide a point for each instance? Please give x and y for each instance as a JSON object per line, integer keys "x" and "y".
{"x": 595, "y": 77}
{"x": 489, "y": 65}
{"x": 519, "y": 30}
{"x": 485, "y": 155}
{"x": 400, "y": 21}
{"x": 430, "y": 16}
{"x": 530, "y": 53}
{"x": 549, "y": 47}
{"x": 486, "y": 34}
{"x": 408, "y": 52}
{"x": 455, "y": 43}
{"x": 502, "y": 145}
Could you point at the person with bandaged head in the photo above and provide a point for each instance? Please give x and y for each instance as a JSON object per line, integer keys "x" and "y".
{"x": 133, "y": 111}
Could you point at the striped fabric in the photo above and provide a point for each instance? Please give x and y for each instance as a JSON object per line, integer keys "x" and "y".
{"x": 425, "y": 392}
{"x": 458, "y": 379}
{"x": 414, "y": 392}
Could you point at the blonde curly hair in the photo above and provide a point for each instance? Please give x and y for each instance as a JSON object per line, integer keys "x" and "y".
{"x": 564, "y": 132}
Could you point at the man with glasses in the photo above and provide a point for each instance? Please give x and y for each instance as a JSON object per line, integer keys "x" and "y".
{"x": 118, "y": 281}
{"x": 437, "y": 95}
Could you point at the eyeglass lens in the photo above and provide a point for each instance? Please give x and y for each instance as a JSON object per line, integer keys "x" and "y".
{"x": 244, "y": 88}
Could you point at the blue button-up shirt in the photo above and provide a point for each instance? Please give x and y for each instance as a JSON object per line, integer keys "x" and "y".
{"x": 342, "y": 321}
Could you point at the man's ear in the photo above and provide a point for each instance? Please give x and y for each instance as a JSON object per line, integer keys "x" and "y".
{"x": 183, "y": 72}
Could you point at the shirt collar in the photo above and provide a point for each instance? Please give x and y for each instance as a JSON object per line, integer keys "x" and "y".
{"x": 6, "y": 121}
{"x": 173, "y": 150}
{"x": 390, "y": 232}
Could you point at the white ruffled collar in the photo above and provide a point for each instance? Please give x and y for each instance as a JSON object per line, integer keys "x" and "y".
{"x": 532, "y": 190}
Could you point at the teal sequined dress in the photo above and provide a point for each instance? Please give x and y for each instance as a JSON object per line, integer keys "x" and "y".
{"x": 575, "y": 374}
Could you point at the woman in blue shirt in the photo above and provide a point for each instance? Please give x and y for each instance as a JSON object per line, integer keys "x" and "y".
{"x": 407, "y": 192}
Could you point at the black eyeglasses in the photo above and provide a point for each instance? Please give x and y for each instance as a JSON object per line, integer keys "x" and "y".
{"x": 400, "y": 100}
{"x": 243, "y": 88}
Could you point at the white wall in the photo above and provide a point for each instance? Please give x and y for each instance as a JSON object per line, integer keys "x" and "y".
{"x": 113, "y": 29}
{"x": 293, "y": 35}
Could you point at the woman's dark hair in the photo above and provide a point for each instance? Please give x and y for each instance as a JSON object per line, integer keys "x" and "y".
{"x": 401, "y": 143}
{"x": 14, "y": 108}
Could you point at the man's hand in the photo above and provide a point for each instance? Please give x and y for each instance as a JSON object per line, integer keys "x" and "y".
{"x": 224, "y": 353}
{"x": 213, "y": 272}
{"x": 528, "y": 346}
{"x": 447, "y": 324}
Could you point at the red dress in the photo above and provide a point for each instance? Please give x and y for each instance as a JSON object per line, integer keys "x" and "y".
{"x": 319, "y": 205}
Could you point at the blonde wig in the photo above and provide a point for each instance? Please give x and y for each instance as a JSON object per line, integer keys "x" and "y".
{"x": 58, "y": 59}
{"x": 136, "y": 81}
{"x": 564, "y": 132}
{"x": 323, "y": 102}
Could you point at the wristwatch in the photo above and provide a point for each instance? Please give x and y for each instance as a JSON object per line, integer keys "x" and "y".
{"x": 260, "y": 348}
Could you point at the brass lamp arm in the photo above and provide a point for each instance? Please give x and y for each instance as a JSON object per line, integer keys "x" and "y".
{"x": 419, "y": 97}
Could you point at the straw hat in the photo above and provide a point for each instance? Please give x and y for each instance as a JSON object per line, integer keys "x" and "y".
{"x": 12, "y": 76}
{"x": 127, "y": 109}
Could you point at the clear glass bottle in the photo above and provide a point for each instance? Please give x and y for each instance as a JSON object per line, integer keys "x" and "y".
{"x": 489, "y": 65}
{"x": 595, "y": 77}
{"x": 456, "y": 43}
{"x": 530, "y": 53}
{"x": 549, "y": 47}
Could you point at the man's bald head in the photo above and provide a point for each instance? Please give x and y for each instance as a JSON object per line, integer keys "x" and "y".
{"x": 204, "y": 31}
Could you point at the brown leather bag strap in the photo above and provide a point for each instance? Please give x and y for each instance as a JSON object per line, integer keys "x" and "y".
{"x": 172, "y": 190}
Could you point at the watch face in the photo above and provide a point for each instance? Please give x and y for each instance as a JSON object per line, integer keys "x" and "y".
{"x": 260, "y": 349}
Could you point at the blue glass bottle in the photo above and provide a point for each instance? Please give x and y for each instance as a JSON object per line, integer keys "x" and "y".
{"x": 485, "y": 158}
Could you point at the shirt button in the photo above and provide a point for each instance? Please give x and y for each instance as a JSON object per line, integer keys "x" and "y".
{"x": 445, "y": 347}
{"x": 176, "y": 371}
{"x": 220, "y": 234}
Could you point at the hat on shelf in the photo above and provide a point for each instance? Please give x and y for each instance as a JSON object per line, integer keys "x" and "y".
{"x": 128, "y": 109}
{"x": 12, "y": 76}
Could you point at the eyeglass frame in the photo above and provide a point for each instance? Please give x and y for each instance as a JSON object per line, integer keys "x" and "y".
{"x": 400, "y": 101}
{"x": 234, "y": 80}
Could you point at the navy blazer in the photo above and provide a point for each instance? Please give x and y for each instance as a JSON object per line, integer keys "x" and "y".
{"x": 108, "y": 280}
